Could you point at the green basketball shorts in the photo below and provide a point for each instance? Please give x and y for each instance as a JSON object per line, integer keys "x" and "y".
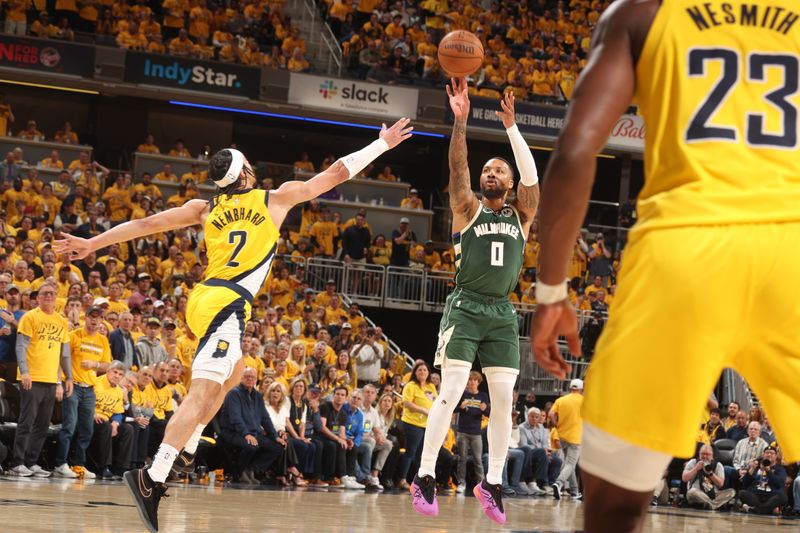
{"x": 475, "y": 324}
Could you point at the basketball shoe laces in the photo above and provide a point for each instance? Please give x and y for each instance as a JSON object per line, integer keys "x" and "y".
{"x": 421, "y": 492}
{"x": 495, "y": 495}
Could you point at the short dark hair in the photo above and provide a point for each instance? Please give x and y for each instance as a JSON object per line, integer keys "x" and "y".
{"x": 715, "y": 411}
{"x": 504, "y": 160}
{"x": 340, "y": 387}
{"x": 217, "y": 168}
{"x": 735, "y": 402}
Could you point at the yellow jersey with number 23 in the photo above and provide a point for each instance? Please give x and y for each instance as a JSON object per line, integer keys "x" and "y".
{"x": 717, "y": 84}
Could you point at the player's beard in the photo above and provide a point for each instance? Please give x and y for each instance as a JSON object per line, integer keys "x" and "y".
{"x": 493, "y": 194}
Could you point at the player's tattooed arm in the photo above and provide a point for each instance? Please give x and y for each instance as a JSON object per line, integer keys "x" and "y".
{"x": 462, "y": 200}
{"x": 461, "y": 195}
{"x": 527, "y": 203}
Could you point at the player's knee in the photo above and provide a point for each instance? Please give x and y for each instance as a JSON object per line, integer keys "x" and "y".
{"x": 620, "y": 463}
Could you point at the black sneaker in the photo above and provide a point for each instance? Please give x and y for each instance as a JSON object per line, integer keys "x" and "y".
{"x": 106, "y": 474}
{"x": 146, "y": 495}
{"x": 491, "y": 500}
{"x": 556, "y": 491}
{"x": 423, "y": 492}
{"x": 184, "y": 463}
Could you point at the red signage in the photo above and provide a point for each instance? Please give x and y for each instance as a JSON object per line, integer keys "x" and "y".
{"x": 46, "y": 55}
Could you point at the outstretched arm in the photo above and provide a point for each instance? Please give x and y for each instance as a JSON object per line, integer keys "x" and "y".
{"x": 292, "y": 193}
{"x": 527, "y": 200}
{"x": 171, "y": 219}
{"x": 463, "y": 202}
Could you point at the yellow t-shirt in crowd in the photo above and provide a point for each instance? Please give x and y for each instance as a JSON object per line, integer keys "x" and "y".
{"x": 570, "y": 423}
{"x": 108, "y": 399}
{"x": 185, "y": 349}
{"x": 47, "y": 332}
{"x": 256, "y": 363}
{"x": 161, "y": 399}
{"x": 421, "y": 396}
{"x": 85, "y": 347}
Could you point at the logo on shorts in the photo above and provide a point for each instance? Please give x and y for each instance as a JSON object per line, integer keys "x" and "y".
{"x": 222, "y": 349}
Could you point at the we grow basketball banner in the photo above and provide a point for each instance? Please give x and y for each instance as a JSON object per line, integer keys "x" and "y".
{"x": 351, "y": 96}
{"x": 547, "y": 121}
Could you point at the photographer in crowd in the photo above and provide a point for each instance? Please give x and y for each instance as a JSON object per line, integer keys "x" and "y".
{"x": 764, "y": 484}
{"x": 704, "y": 478}
{"x": 368, "y": 354}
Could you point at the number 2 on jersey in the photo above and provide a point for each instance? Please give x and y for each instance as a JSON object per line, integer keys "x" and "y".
{"x": 238, "y": 237}
{"x": 497, "y": 253}
{"x": 756, "y": 67}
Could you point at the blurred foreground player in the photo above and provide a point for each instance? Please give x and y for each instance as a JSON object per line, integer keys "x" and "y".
{"x": 241, "y": 231}
{"x": 717, "y": 84}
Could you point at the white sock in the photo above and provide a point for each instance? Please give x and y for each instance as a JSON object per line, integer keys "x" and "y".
{"x": 194, "y": 440}
{"x": 454, "y": 381}
{"x": 501, "y": 392}
{"x": 162, "y": 463}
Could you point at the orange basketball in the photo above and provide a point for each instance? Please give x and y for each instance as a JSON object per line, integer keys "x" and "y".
{"x": 460, "y": 53}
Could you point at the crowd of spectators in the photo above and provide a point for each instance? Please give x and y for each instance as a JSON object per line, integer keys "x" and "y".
{"x": 120, "y": 337}
{"x": 739, "y": 466}
{"x": 533, "y": 48}
{"x": 250, "y": 33}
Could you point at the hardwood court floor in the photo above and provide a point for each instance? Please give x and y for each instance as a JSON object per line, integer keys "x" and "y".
{"x": 77, "y": 506}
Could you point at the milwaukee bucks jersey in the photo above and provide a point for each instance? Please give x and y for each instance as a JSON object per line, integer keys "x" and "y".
{"x": 489, "y": 252}
{"x": 240, "y": 238}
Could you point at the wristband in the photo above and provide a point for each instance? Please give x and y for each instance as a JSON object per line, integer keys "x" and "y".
{"x": 550, "y": 294}
{"x": 358, "y": 161}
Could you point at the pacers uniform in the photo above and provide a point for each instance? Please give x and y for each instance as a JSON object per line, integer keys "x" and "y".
{"x": 706, "y": 280}
{"x": 478, "y": 317}
{"x": 240, "y": 241}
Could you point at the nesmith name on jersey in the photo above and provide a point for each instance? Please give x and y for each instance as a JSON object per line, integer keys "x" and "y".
{"x": 711, "y": 14}
{"x": 235, "y": 215}
{"x": 494, "y": 228}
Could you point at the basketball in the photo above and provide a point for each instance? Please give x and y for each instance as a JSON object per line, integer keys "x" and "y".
{"x": 460, "y": 53}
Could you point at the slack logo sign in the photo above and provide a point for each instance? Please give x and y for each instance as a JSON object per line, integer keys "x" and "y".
{"x": 365, "y": 95}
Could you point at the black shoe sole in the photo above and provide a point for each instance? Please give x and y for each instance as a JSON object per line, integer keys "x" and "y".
{"x": 133, "y": 486}
{"x": 188, "y": 469}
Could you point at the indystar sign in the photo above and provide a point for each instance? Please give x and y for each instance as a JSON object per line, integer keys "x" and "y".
{"x": 191, "y": 74}
{"x": 353, "y": 96}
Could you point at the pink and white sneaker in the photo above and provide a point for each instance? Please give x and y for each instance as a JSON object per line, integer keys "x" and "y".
{"x": 491, "y": 498}
{"x": 423, "y": 492}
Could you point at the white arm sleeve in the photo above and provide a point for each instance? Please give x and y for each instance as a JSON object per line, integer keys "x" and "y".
{"x": 358, "y": 161}
{"x": 523, "y": 157}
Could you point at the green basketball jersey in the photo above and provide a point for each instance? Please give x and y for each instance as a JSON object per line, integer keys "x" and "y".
{"x": 489, "y": 252}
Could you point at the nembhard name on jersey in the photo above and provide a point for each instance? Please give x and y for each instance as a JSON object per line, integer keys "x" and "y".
{"x": 710, "y": 14}
{"x": 235, "y": 215}
{"x": 494, "y": 228}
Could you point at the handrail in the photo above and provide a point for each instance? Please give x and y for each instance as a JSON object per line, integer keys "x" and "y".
{"x": 420, "y": 290}
{"x": 327, "y": 38}
{"x": 334, "y": 50}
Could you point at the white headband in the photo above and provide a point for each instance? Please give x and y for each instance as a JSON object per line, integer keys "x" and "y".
{"x": 234, "y": 170}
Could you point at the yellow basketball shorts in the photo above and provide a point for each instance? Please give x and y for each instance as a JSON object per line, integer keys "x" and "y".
{"x": 690, "y": 302}
{"x": 216, "y": 314}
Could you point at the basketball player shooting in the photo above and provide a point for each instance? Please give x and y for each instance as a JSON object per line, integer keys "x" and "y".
{"x": 241, "y": 232}
{"x": 717, "y": 84}
{"x": 489, "y": 237}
